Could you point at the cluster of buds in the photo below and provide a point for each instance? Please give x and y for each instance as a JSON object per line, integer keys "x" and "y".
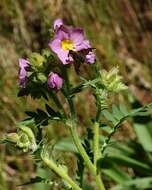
{"x": 112, "y": 81}
{"x": 108, "y": 83}
{"x": 24, "y": 139}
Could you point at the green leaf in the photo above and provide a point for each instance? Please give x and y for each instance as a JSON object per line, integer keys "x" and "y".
{"x": 110, "y": 169}
{"x": 50, "y": 111}
{"x": 135, "y": 184}
{"x": 130, "y": 162}
{"x": 36, "y": 179}
{"x": 86, "y": 186}
{"x": 116, "y": 112}
{"x": 144, "y": 135}
{"x": 117, "y": 174}
{"x": 109, "y": 116}
{"x": 26, "y": 122}
{"x": 123, "y": 148}
{"x": 80, "y": 169}
{"x": 31, "y": 114}
{"x": 46, "y": 174}
{"x": 40, "y": 117}
{"x": 123, "y": 109}
{"x": 119, "y": 115}
{"x": 34, "y": 89}
{"x": 66, "y": 144}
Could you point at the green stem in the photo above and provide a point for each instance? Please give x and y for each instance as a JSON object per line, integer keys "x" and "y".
{"x": 81, "y": 150}
{"x": 86, "y": 158}
{"x": 56, "y": 101}
{"x": 50, "y": 163}
{"x": 96, "y": 148}
{"x": 77, "y": 140}
{"x": 100, "y": 182}
{"x": 97, "y": 155}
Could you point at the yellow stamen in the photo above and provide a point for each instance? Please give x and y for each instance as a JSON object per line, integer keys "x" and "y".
{"x": 67, "y": 45}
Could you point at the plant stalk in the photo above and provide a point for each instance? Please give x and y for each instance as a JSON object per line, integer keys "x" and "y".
{"x": 50, "y": 163}
{"x": 81, "y": 150}
{"x": 86, "y": 158}
{"x": 77, "y": 141}
{"x": 97, "y": 154}
{"x": 96, "y": 148}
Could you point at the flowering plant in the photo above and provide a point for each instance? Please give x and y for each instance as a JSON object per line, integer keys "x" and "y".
{"x": 46, "y": 76}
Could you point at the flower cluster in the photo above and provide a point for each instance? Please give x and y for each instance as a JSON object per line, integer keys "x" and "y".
{"x": 54, "y": 80}
{"x": 109, "y": 82}
{"x": 70, "y": 46}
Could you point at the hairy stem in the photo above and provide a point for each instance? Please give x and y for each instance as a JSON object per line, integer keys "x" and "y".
{"x": 86, "y": 158}
{"x": 97, "y": 155}
{"x": 57, "y": 101}
{"x": 76, "y": 139}
{"x": 52, "y": 165}
{"x": 81, "y": 150}
{"x": 96, "y": 148}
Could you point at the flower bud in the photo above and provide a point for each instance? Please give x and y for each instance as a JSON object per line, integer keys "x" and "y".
{"x": 112, "y": 81}
{"x": 37, "y": 61}
{"x": 41, "y": 77}
{"x": 55, "y": 81}
{"x": 12, "y": 137}
{"x": 23, "y": 66}
{"x": 26, "y": 140}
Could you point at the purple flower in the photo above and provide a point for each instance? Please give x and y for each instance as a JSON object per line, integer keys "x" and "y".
{"x": 57, "y": 23}
{"x": 55, "y": 81}
{"x": 23, "y": 66}
{"x": 68, "y": 39}
{"x": 90, "y": 57}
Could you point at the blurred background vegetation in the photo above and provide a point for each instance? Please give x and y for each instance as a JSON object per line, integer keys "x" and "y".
{"x": 121, "y": 32}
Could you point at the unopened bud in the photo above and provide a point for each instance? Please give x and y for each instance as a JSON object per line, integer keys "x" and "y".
{"x": 112, "y": 81}
{"x": 12, "y": 137}
{"x": 37, "y": 61}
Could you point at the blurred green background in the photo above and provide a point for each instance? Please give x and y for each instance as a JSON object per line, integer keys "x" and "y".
{"x": 121, "y": 32}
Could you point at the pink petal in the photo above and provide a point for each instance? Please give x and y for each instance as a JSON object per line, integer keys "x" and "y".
{"x": 62, "y": 33}
{"x": 77, "y": 35}
{"x": 55, "y": 45}
{"x": 57, "y": 23}
{"x": 64, "y": 56}
{"x": 84, "y": 45}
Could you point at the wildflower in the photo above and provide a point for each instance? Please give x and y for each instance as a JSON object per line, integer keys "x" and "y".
{"x": 55, "y": 81}
{"x": 69, "y": 39}
{"x": 23, "y": 65}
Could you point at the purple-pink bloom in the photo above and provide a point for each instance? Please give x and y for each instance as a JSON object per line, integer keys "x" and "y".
{"x": 55, "y": 81}
{"x": 57, "y": 23}
{"x": 23, "y": 66}
{"x": 68, "y": 39}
